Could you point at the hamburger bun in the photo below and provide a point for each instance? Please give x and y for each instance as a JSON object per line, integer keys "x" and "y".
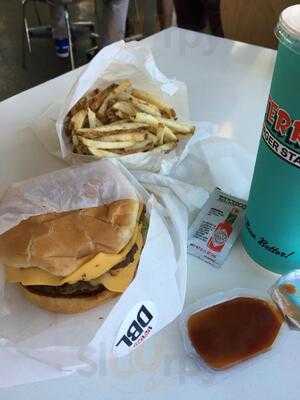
{"x": 61, "y": 242}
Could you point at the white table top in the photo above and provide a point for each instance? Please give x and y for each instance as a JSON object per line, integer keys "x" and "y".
{"x": 228, "y": 84}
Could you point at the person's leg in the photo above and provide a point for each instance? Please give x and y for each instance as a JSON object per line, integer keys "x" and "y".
{"x": 59, "y": 29}
{"x": 214, "y": 16}
{"x": 191, "y": 14}
{"x": 58, "y": 22}
{"x": 113, "y": 22}
{"x": 165, "y": 10}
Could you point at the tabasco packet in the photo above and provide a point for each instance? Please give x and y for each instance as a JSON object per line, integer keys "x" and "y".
{"x": 216, "y": 227}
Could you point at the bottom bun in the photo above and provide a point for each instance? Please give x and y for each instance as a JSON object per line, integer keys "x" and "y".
{"x": 68, "y": 305}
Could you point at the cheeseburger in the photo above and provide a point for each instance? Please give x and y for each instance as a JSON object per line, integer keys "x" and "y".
{"x": 73, "y": 261}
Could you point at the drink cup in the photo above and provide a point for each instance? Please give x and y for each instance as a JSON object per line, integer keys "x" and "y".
{"x": 271, "y": 234}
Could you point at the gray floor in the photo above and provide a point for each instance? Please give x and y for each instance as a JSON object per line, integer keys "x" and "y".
{"x": 43, "y": 64}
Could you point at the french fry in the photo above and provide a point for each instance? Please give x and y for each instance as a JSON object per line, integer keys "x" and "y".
{"x": 125, "y": 96}
{"x": 160, "y": 134}
{"x": 146, "y": 119}
{"x": 181, "y": 136}
{"x": 93, "y": 93}
{"x": 81, "y": 148}
{"x": 127, "y": 152}
{"x": 164, "y": 147}
{"x": 92, "y": 118}
{"x": 161, "y": 105}
{"x": 111, "y": 115}
{"x": 119, "y": 121}
{"x": 152, "y": 137}
{"x": 125, "y": 108}
{"x": 140, "y": 105}
{"x": 121, "y": 115}
{"x": 121, "y": 87}
{"x": 119, "y": 137}
{"x": 126, "y": 126}
{"x": 80, "y": 105}
{"x": 88, "y": 134}
{"x": 145, "y": 107}
{"x": 179, "y": 127}
{"x": 141, "y": 146}
{"x": 78, "y": 119}
{"x": 104, "y": 106}
{"x": 169, "y": 136}
{"x": 98, "y": 123}
{"x": 96, "y": 101}
{"x": 106, "y": 145}
{"x": 123, "y": 126}
{"x": 101, "y": 153}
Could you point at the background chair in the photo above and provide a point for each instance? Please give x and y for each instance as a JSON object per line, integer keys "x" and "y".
{"x": 252, "y": 21}
{"x": 42, "y": 31}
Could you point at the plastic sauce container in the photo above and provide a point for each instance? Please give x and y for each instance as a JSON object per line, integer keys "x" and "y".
{"x": 228, "y": 328}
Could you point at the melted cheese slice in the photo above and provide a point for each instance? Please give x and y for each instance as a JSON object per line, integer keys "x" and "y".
{"x": 120, "y": 279}
{"x": 91, "y": 270}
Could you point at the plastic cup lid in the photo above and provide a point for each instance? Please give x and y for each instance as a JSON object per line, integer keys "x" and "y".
{"x": 290, "y": 21}
{"x": 286, "y": 294}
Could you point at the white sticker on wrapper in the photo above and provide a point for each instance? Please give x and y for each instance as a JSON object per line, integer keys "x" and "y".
{"x": 136, "y": 328}
{"x": 216, "y": 227}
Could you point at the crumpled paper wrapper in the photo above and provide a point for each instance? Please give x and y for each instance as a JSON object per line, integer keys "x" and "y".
{"x": 63, "y": 190}
{"x": 118, "y": 61}
{"x": 38, "y": 345}
{"x": 57, "y": 345}
{"x": 214, "y": 161}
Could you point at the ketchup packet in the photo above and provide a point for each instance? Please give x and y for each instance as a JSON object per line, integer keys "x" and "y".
{"x": 216, "y": 227}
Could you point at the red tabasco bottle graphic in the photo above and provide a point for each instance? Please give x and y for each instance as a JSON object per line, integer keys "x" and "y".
{"x": 222, "y": 232}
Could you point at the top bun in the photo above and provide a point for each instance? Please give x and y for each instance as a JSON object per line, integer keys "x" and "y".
{"x": 61, "y": 242}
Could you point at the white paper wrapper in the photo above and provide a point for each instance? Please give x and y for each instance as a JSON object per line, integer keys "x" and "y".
{"x": 118, "y": 61}
{"x": 38, "y": 345}
{"x": 63, "y": 190}
{"x": 213, "y": 161}
{"x": 61, "y": 344}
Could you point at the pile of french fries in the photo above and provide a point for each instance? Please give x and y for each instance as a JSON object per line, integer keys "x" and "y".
{"x": 121, "y": 120}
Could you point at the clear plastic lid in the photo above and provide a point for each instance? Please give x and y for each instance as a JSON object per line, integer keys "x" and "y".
{"x": 286, "y": 294}
{"x": 288, "y": 28}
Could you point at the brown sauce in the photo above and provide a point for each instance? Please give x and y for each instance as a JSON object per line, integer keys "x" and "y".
{"x": 233, "y": 331}
{"x": 287, "y": 288}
